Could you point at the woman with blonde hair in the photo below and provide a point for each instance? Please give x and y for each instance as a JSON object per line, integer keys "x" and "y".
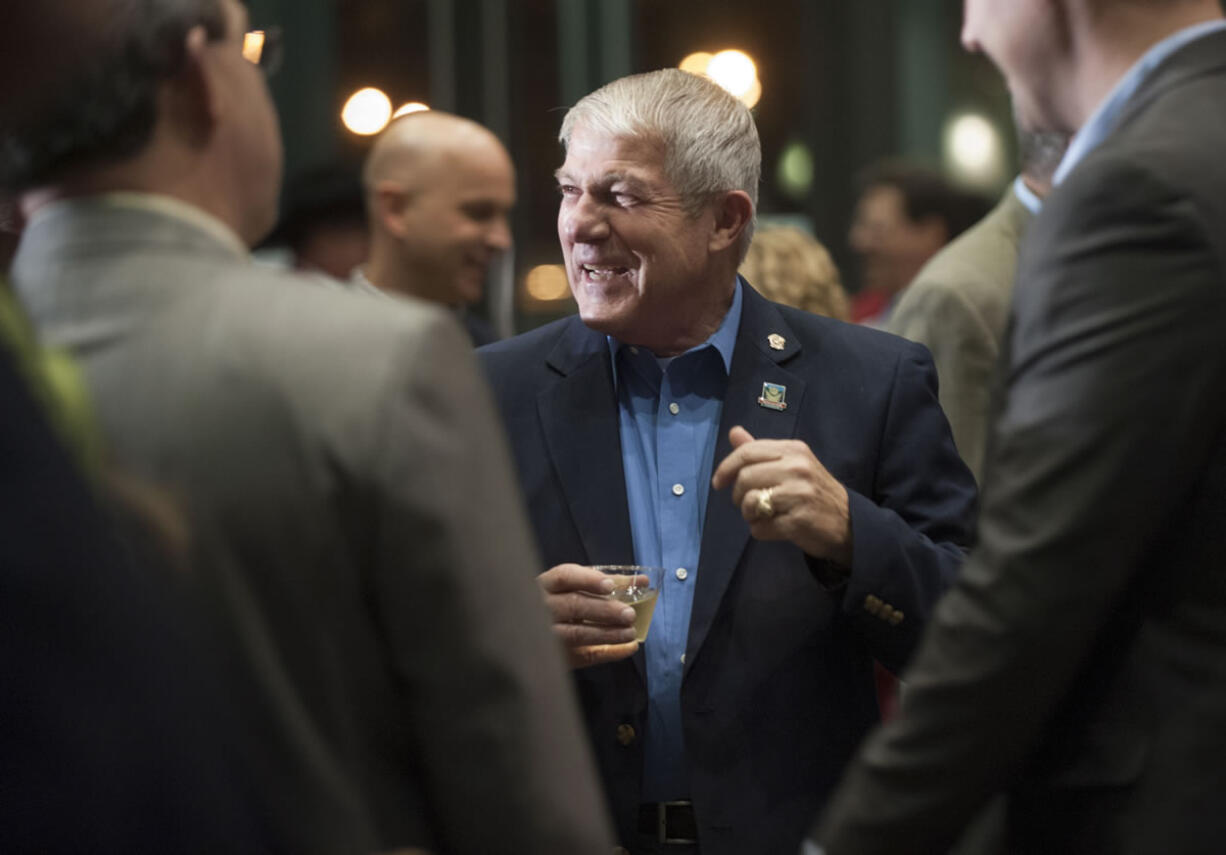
{"x": 789, "y": 266}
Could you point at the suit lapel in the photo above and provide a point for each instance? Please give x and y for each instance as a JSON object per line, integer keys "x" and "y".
{"x": 725, "y": 532}
{"x": 580, "y": 421}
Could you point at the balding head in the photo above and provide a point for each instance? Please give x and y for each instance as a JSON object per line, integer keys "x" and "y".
{"x": 439, "y": 188}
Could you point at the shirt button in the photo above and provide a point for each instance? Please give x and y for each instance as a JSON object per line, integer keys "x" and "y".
{"x": 682, "y": 573}
{"x": 678, "y": 490}
{"x": 682, "y": 658}
{"x": 634, "y": 350}
{"x": 674, "y": 408}
{"x": 625, "y": 734}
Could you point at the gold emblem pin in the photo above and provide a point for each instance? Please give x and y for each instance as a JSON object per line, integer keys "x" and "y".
{"x": 776, "y": 341}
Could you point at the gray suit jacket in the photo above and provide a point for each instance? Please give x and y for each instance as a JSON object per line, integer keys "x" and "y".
{"x": 355, "y": 513}
{"x": 1080, "y": 661}
{"x": 957, "y": 307}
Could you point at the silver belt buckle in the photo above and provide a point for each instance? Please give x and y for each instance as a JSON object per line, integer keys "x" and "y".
{"x": 662, "y": 822}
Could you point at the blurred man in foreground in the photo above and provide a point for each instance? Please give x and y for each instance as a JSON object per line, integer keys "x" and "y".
{"x": 793, "y": 474}
{"x": 347, "y": 488}
{"x": 439, "y": 189}
{"x": 1079, "y": 664}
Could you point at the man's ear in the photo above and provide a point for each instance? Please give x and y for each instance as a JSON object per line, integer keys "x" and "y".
{"x": 192, "y": 100}
{"x": 391, "y": 200}
{"x": 733, "y": 213}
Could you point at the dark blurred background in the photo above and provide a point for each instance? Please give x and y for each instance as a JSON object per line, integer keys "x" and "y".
{"x": 843, "y": 84}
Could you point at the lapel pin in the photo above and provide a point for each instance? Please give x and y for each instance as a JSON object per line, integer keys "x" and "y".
{"x": 776, "y": 341}
{"x": 774, "y": 396}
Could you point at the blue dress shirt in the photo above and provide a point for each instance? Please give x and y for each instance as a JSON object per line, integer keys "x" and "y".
{"x": 1026, "y": 196}
{"x": 669, "y": 412}
{"x": 1102, "y": 122}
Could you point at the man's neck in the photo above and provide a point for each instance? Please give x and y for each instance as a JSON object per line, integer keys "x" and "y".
{"x": 701, "y": 318}
{"x": 1114, "y": 39}
{"x": 388, "y": 272}
{"x": 385, "y": 272}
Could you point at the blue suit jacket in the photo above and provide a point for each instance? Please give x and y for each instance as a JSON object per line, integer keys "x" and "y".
{"x": 778, "y": 686}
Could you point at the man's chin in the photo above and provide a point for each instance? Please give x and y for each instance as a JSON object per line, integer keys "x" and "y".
{"x": 470, "y": 289}
{"x": 602, "y": 319}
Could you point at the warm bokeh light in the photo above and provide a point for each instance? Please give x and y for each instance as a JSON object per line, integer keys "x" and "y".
{"x": 974, "y": 150}
{"x": 733, "y": 70}
{"x": 750, "y": 99}
{"x": 367, "y": 111}
{"x": 547, "y": 283}
{"x": 411, "y": 107}
{"x": 696, "y": 63}
{"x": 253, "y": 46}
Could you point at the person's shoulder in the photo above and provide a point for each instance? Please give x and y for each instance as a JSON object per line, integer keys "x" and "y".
{"x": 972, "y": 277}
{"x": 1167, "y": 148}
{"x": 831, "y": 336}
{"x": 323, "y": 309}
{"x": 318, "y": 341}
{"x": 535, "y": 344}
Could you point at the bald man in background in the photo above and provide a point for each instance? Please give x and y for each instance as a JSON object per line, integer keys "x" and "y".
{"x": 438, "y": 191}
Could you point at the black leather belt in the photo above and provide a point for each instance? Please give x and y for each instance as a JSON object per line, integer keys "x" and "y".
{"x": 669, "y": 822}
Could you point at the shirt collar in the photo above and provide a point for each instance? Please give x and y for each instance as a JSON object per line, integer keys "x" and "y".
{"x": 1104, "y": 118}
{"x": 359, "y": 282}
{"x": 723, "y": 339}
{"x": 1029, "y": 199}
{"x": 166, "y": 206}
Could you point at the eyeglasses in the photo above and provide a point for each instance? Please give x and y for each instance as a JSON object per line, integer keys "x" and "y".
{"x": 263, "y": 48}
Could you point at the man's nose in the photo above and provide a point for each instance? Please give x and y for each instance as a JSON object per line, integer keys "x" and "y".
{"x": 498, "y": 237}
{"x": 583, "y": 221}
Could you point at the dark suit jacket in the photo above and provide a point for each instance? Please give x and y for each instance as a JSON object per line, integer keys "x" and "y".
{"x": 778, "y": 686}
{"x": 117, "y": 732}
{"x": 1080, "y": 662}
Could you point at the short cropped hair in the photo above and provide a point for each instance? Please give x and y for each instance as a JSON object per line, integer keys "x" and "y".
{"x": 927, "y": 193}
{"x": 710, "y": 139}
{"x": 97, "y": 102}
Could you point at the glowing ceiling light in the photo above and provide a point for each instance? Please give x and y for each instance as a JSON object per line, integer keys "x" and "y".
{"x": 367, "y": 111}
{"x": 547, "y": 283}
{"x": 734, "y": 71}
{"x": 696, "y": 63}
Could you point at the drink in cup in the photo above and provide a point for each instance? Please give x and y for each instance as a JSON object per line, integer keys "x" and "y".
{"x": 638, "y": 587}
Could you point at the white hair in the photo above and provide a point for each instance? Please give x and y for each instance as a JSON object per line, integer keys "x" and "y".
{"x": 709, "y": 137}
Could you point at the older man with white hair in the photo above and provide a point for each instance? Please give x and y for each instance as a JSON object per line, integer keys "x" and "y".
{"x": 793, "y": 474}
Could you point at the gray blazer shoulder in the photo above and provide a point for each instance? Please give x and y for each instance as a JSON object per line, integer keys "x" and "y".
{"x": 958, "y": 306}
{"x": 356, "y": 513}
